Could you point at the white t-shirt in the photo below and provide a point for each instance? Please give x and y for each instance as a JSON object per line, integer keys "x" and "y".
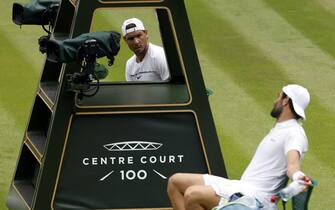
{"x": 266, "y": 172}
{"x": 152, "y": 68}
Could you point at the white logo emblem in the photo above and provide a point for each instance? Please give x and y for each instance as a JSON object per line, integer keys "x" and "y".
{"x": 133, "y": 146}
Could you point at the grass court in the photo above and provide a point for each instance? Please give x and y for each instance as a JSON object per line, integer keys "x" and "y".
{"x": 248, "y": 49}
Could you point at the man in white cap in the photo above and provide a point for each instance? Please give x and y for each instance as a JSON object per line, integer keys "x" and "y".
{"x": 277, "y": 157}
{"x": 148, "y": 62}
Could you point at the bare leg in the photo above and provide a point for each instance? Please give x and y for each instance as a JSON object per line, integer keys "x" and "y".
{"x": 186, "y": 190}
{"x": 200, "y": 197}
{"x": 177, "y": 185}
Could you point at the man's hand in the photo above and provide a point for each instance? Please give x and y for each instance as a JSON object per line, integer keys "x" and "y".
{"x": 299, "y": 175}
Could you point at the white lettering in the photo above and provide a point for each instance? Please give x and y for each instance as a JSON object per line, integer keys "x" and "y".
{"x": 131, "y": 174}
{"x": 130, "y": 160}
{"x": 153, "y": 159}
{"x": 121, "y": 160}
{"x": 85, "y": 161}
{"x": 171, "y": 159}
{"x": 122, "y": 174}
{"x": 112, "y": 158}
{"x": 162, "y": 159}
{"x": 180, "y": 158}
{"x": 94, "y": 161}
{"x": 142, "y": 174}
{"x": 103, "y": 161}
{"x": 143, "y": 159}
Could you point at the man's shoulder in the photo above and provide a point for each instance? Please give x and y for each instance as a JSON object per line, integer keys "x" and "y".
{"x": 293, "y": 130}
{"x": 297, "y": 128}
{"x": 296, "y": 132}
{"x": 131, "y": 60}
{"x": 156, "y": 51}
{"x": 130, "y": 64}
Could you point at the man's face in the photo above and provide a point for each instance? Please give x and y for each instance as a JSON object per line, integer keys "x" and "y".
{"x": 137, "y": 42}
{"x": 277, "y": 106}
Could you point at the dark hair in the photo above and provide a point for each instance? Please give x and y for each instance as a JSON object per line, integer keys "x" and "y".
{"x": 296, "y": 116}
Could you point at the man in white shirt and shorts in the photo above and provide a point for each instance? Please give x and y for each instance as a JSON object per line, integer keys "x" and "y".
{"x": 277, "y": 156}
{"x": 148, "y": 62}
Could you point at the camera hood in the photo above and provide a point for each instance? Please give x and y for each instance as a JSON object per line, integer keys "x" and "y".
{"x": 38, "y": 12}
{"x": 68, "y": 50}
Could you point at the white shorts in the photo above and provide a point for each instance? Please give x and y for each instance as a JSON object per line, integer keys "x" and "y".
{"x": 224, "y": 187}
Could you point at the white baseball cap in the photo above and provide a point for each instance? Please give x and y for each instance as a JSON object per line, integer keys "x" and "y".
{"x": 131, "y": 25}
{"x": 299, "y": 96}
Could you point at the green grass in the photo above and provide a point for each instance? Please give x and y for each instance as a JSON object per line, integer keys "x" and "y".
{"x": 20, "y": 66}
{"x": 248, "y": 49}
{"x": 248, "y": 52}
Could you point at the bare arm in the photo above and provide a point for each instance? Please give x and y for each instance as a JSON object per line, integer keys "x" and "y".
{"x": 293, "y": 162}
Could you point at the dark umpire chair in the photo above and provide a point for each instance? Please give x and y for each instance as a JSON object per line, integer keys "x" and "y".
{"x": 300, "y": 201}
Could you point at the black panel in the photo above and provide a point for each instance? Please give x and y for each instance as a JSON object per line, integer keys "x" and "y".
{"x": 40, "y": 117}
{"x": 64, "y": 19}
{"x": 170, "y": 46}
{"x": 137, "y": 94}
{"x": 15, "y": 200}
{"x": 26, "y": 175}
{"x": 51, "y": 71}
{"x": 94, "y": 177}
{"x": 38, "y": 140}
{"x": 50, "y": 90}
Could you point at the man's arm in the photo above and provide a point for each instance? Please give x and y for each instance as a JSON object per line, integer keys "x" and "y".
{"x": 162, "y": 66}
{"x": 293, "y": 162}
{"x": 127, "y": 75}
{"x": 293, "y": 168}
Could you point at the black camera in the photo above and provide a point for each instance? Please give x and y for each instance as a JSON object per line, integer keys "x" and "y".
{"x": 88, "y": 53}
{"x": 38, "y": 12}
{"x": 104, "y": 44}
{"x": 69, "y": 50}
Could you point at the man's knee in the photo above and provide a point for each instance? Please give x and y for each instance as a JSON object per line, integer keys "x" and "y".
{"x": 176, "y": 178}
{"x": 181, "y": 181}
{"x": 174, "y": 181}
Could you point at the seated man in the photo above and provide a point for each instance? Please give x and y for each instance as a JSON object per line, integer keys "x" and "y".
{"x": 277, "y": 156}
{"x": 148, "y": 62}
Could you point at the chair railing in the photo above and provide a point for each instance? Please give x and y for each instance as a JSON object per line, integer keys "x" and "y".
{"x": 300, "y": 201}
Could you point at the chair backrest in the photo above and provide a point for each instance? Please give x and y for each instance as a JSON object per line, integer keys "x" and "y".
{"x": 300, "y": 201}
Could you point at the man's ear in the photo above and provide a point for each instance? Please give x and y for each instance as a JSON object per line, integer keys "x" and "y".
{"x": 285, "y": 101}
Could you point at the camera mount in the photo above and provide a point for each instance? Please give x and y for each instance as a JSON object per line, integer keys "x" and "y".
{"x": 81, "y": 82}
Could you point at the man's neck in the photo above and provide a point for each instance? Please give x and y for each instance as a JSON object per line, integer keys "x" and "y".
{"x": 285, "y": 117}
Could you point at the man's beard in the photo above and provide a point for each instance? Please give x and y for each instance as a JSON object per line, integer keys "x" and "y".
{"x": 276, "y": 111}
